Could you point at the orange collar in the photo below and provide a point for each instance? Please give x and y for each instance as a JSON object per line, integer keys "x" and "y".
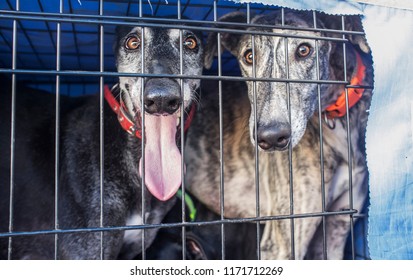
{"x": 125, "y": 119}
{"x": 338, "y": 109}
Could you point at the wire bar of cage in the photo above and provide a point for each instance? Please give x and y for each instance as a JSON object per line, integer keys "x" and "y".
{"x": 153, "y": 22}
{"x": 178, "y": 224}
{"x": 221, "y": 137}
{"x": 147, "y": 75}
{"x": 57, "y": 135}
{"x": 74, "y": 82}
{"x": 172, "y": 26}
{"x": 101, "y": 131}
{"x": 182, "y": 133}
{"x": 290, "y": 149}
{"x": 255, "y": 114}
{"x": 142, "y": 84}
{"x": 349, "y": 146}
{"x": 12, "y": 136}
{"x": 321, "y": 142}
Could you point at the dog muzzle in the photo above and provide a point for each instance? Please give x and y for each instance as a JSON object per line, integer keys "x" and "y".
{"x": 162, "y": 158}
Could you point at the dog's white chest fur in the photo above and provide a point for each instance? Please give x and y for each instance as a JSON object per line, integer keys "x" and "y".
{"x": 131, "y": 236}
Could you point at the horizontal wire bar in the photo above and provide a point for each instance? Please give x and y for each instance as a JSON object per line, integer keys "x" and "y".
{"x": 180, "y": 224}
{"x": 154, "y": 25}
{"x": 139, "y": 75}
{"x": 71, "y": 53}
{"x": 87, "y": 19}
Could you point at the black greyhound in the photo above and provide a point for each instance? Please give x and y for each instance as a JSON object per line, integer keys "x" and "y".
{"x": 80, "y": 195}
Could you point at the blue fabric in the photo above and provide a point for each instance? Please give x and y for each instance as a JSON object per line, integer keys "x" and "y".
{"x": 389, "y": 133}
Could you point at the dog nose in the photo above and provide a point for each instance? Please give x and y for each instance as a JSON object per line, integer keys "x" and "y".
{"x": 161, "y": 104}
{"x": 162, "y": 97}
{"x": 275, "y": 137}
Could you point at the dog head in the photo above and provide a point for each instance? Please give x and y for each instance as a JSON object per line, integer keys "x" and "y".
{"x": 295, "y": 53}
{"x": 163, "y": 101}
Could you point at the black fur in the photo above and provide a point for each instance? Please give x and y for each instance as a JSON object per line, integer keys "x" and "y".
{"x": 79, "y": 186}
{"x": 204, "y": 242}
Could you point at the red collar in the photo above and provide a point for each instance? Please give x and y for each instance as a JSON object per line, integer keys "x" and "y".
{"x": 338, "y": 109}
{"x": 126, "y": 121}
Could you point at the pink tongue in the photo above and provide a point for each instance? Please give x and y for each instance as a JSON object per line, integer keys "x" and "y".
{"x": 162, "y": 157}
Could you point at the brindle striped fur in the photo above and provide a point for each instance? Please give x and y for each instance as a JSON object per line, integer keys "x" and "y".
{"x": 203, "y": 149}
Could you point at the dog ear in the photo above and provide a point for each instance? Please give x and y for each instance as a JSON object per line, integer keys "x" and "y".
{"x": 229, "y": 40}
{"x": 351, "y": 23}
{"x": 356, "y": 44}
{"x": 197, "y": 249}
{"x": 337, "y": 61}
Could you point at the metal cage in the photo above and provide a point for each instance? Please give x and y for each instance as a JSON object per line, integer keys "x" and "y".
{"x": 65, "y": 47}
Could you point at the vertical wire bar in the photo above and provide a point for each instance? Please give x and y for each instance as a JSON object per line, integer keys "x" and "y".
{"x": 101, "y": 129}
{"x": 57, "y": 133}
{"x": 349, "y": 145}
{"x": 142, "y": 80}
{"x": 182, "y": 126}
{"x": 290, "y": 156}
{"x": 12, "y": 134}
{"x": 322, "y": 180}
{"x": 221, "y": 137}
{"x": 290, "y": 149}
{"x": 257, "y": 160}
{"x": 323, "y": 192}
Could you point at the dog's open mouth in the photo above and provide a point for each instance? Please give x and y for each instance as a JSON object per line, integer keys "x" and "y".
{"x": 163, "y": 160}
{"x": 163, "y": 168}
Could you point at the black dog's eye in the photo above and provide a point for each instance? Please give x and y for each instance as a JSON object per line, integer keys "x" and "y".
{"x": 303, "y": 50}
{"x": 190, "y": 43}
{"x": 132, "y": 42}
{"x": 248, "y": 57}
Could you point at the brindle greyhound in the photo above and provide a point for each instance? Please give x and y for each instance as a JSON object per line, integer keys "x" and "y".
{"x": 79, "y": 196}
{"x": 284, "y": 117}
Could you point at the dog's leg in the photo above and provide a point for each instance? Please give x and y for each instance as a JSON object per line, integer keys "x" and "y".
{"x": 338, "y": 226}
{"x": 87, "y": 245}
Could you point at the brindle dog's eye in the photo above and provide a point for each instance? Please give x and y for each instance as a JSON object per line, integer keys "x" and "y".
{"x": 132, "y": 42}
{"x": 303, "y": 50}
{"x": 190, "y": 43}
{"x": 248, "y": 57}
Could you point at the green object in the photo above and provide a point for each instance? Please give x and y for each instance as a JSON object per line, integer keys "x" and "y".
{"x": 189, "y": 203}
